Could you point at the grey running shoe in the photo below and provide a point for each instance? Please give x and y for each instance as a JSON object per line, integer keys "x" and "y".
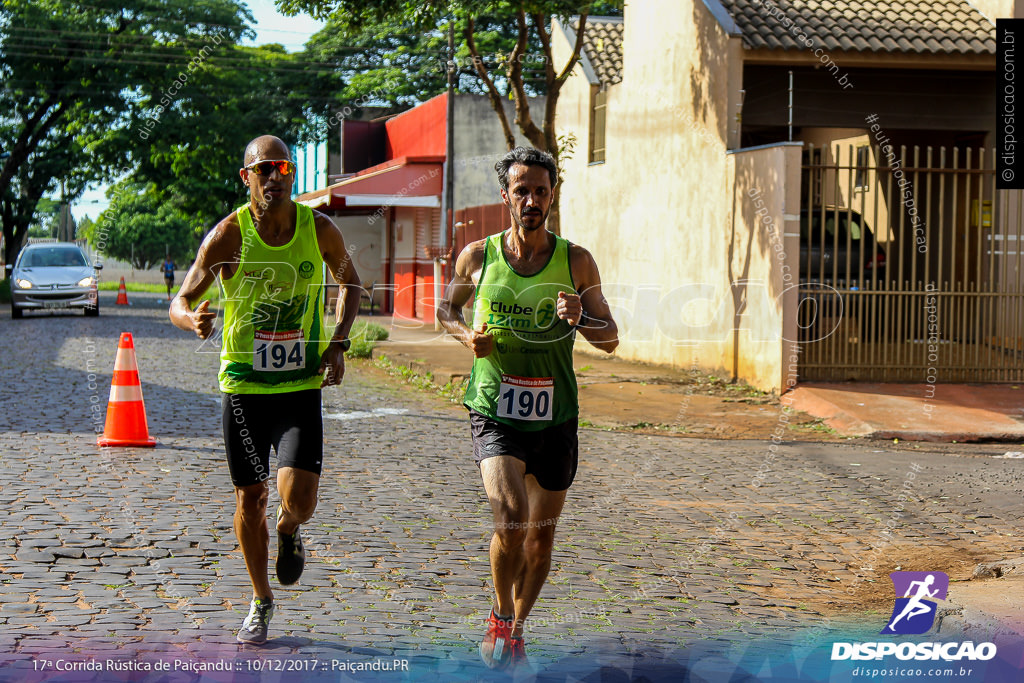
{"x": 291, "y": 557}
{"x": 254, "y": 628}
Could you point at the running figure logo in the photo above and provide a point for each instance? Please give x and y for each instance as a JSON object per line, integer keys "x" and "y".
{"x": 914, "y": 613}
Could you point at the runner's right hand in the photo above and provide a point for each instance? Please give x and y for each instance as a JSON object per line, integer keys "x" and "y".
{"x": 481, "y": 343}
{"x": 202, "y": 319}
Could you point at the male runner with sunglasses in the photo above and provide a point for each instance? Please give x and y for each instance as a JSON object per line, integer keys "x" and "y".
{"x": 275, "y": 350}
{"x": 534, "y": 291}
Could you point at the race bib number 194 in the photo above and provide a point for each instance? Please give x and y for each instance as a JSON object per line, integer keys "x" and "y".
{"x": 278, "y": 351}
{"x": 525, "y": 398}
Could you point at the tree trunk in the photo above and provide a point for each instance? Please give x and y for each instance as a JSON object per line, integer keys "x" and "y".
{"x": 7, "y": 216}
{"x": 14, "y": 232}
{"x": 555, "y": 214}
{"x": 554, "y": 85}
{"x": 493, "y": 96}
{"x": 542, "y": 137}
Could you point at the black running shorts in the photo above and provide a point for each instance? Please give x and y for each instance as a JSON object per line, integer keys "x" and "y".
{"x": 290, "y": 422}
{"x": 551, "y": 454}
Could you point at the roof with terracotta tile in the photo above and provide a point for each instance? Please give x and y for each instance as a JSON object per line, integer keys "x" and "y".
{"x": 602, "y": 47}
{"x": 938, "y": 27}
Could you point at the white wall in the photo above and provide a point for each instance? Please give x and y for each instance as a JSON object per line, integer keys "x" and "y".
{"x": 365, "y": 241}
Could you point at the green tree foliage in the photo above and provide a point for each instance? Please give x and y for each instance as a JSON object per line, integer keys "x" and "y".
{"x": 141, "y": 227}
{"x": 70, "y": 74}
{"x": 382, "y": 66}
{"x": 47, "y": 216}
{"x": 191, "y": 148}
{"x": 390, "y": 50}
{"x": 158, "y": 94}
{"x": 84, "y": 226}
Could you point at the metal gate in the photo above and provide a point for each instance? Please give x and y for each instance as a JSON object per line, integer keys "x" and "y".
{"x": 910, "y": 266}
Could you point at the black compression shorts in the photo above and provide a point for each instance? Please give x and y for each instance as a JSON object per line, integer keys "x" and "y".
{"x": 289, "y": 422}
{"x": 551, "y": 455}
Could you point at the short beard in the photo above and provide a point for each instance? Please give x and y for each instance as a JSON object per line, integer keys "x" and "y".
{"x": 543, "y": 222}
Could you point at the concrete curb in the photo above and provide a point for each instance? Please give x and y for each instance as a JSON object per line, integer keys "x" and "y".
{"x": 834, "y": 416}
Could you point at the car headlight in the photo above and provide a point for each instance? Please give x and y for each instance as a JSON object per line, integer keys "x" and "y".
{"x": 23, "y": 283}
{"x": 85, "y": 282}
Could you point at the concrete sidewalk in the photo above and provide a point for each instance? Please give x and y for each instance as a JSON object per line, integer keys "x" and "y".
{"x": 988, "y": 605}
{"x": 917, "y": 412}
{"x": 620, "y": 393}
{"x": 614, "y": 392}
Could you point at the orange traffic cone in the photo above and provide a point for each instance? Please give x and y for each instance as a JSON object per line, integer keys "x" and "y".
{"x": 122, "y": 294}
{"x": 126, "y": 414}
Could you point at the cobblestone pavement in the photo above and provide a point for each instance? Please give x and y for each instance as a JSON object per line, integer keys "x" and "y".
{"x": 124, "y": 553}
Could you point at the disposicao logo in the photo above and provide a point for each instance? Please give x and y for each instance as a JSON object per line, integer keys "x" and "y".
{"x": 914, "y": 613}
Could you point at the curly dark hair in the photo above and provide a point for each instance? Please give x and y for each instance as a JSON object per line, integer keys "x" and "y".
{"x": 529, "y": 157}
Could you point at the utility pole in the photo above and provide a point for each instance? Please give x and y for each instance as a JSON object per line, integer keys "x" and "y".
{"x": 64, "y": 217}
{"x": 449, "y": 171}
{"x": 790, "y": 123}
{"x": 448, "y": 201}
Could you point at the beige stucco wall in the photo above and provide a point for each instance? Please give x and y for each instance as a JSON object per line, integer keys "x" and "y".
{"x": 995, "y": 8}
{"x": 665, "y": 216}
{"x": 764, "y": 242}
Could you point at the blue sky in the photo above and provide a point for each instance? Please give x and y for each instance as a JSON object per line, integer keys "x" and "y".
{"x": 271, "y": 27}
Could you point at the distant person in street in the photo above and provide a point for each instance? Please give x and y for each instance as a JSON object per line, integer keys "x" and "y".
{"x": 276, "y": 355}
{"x": 167, "y": 268}
{"x": 534, "y": 292}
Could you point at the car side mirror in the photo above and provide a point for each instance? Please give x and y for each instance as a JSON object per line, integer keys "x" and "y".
{"x": 98, "y": 266}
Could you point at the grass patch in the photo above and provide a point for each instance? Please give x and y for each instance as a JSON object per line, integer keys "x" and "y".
{"x": 213, "y": 293}
{"x": 818, "y": 426}
{"x": 112, "y": 285}
{"x": 453, "y": 392}
{"x": 364, "y": 336}
{"x": 5, "y": 291}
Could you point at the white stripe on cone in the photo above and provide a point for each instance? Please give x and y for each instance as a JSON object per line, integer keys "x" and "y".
{"x": 125, "y": 360}
{"x": 119, "y": 393}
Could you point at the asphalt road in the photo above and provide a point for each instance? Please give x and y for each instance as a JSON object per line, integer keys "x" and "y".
{"x": 668, "y": 545}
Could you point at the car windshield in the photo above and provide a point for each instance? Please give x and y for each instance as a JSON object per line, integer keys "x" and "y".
{"x": 54, "y": 257}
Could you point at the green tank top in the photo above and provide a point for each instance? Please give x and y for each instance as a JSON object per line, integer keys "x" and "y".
{"x": 527, "y": 381}
{"x": 273, "y": 331}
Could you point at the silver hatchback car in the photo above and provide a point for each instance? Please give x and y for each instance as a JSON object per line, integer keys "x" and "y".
{"x": 53, "y": 275}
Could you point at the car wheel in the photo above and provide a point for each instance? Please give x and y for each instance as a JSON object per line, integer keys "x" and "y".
{"x": 15, "y": 312}
{"x": 92, "y": 311}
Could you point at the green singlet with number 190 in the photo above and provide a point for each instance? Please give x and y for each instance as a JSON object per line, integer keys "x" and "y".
{"x": 527, "y": 381}
{"x": 273, "y": 331}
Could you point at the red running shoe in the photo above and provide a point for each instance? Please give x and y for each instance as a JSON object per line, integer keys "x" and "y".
{"x": 518, "y": 658}
{"x": 496, "y": 647}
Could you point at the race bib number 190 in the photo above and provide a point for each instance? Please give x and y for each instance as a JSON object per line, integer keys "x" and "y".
{"x": 278, "y": 351}
{"x": 525, "y": 398}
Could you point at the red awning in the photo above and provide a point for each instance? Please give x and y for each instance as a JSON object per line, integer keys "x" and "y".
{"x": 405, "y": 181}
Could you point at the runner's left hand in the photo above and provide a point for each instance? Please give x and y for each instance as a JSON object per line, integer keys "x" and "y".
{"x": 333, "y": 363}
{"x": 569, "y": 308}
